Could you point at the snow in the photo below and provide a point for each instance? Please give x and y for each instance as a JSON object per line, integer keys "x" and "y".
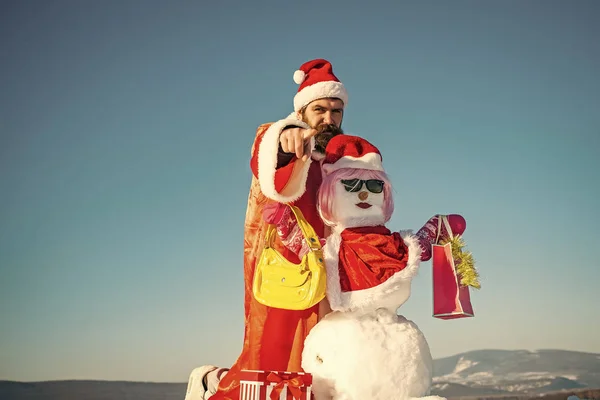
{"x": 463, "y": 364}
{"x": 539, "y": 375}
{"x": 525, "y": 379}
{"x": 484, "y": 375}
{"x": 523, "y": 387}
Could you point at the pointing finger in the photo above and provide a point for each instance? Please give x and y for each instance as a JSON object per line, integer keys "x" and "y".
{"x": 308, "y": 133}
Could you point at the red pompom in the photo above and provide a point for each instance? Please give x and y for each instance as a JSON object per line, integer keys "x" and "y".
{"x": 457, "y": 223}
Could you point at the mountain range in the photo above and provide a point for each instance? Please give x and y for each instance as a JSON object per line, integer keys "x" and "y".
{"x": 514, "y": 372}
{"x": 498, "y": 374}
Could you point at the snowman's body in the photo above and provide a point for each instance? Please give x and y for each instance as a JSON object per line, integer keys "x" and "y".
{"x": 376, "y": 356}
{"x": 364, "y": 350}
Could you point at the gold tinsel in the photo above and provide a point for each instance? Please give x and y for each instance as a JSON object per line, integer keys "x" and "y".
{"x": 464, "y": 262}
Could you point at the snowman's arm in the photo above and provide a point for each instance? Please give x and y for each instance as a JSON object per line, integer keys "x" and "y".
{"x": 428, "y": 233}
{"x": 282, "y": 176}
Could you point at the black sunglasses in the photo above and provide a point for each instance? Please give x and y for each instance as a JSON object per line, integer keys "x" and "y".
{"x": 354, "y": 185}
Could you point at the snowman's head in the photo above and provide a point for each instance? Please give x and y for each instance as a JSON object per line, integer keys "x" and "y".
{"x": 350, "y": 197}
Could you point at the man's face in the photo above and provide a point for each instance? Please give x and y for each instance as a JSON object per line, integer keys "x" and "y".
{"x": 324, "y": 115}
{"x": 324, "y": 112}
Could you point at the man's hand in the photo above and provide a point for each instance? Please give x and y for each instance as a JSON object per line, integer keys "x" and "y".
{"x": 297, "y": 140}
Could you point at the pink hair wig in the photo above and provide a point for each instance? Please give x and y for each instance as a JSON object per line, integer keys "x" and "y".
{"x": 327, "y": 191}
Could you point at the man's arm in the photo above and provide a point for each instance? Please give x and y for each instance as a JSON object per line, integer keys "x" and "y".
{"x": 281, "y": 175}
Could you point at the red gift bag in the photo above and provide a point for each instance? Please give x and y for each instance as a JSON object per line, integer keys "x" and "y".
{"x": 450, "y": 299}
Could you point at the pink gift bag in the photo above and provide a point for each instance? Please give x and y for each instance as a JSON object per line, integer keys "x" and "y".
{"x": 451, "y": 300}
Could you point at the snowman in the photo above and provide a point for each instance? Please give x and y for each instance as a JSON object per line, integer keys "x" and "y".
{"x": 363, "y": 349}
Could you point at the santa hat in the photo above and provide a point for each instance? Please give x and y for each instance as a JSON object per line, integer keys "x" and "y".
{"x": 317, "y": 81}
{"x": 345, "y": 151}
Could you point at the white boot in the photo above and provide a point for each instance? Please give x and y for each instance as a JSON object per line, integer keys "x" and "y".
{"x": 203, "y": 382}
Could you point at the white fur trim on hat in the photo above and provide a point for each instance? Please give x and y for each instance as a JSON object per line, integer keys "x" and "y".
{"x": 390, "y": 294}
{"x": 370, "y": 161}
{"x": 320, "y": 90}
{"x": 267, "y": 164}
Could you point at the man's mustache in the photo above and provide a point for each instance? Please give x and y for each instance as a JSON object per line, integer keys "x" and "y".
{"x": 329, "y": 128}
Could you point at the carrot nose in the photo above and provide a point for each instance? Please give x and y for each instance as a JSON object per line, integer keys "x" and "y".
{"x": 363, "y": 195}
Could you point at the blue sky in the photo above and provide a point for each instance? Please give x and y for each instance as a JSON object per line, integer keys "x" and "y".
{"x": 125, "y": 134}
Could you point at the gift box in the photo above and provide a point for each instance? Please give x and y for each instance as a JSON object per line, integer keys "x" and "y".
{"x": 275, "y": 385}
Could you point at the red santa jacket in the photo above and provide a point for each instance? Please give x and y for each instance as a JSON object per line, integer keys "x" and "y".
{"x": 273, "y": 338}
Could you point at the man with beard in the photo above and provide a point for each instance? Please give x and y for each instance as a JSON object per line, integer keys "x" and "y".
{"x": 286, "y": 168}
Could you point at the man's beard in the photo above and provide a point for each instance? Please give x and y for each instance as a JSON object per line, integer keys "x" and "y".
{"x": 324, "y": 134}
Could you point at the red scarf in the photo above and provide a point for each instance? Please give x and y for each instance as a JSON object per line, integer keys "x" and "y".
{"x": 369, "y": 256}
